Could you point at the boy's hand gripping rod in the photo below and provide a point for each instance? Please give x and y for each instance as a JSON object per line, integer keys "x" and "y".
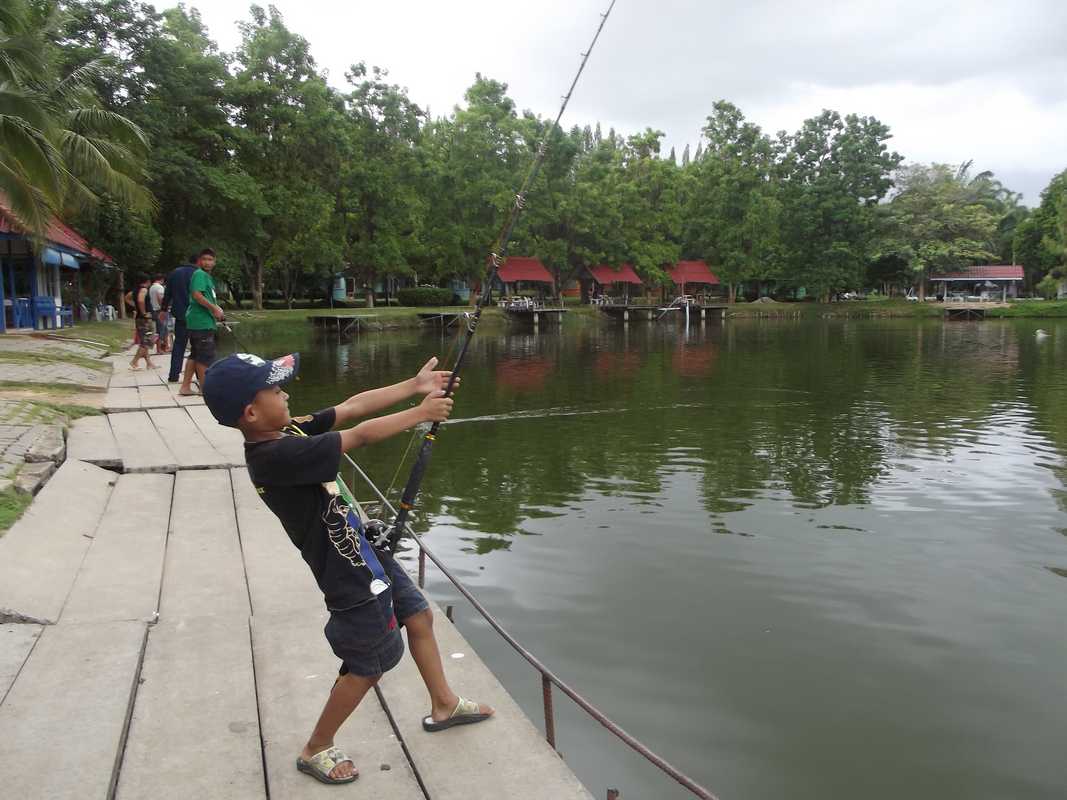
{"x": 496, "y": 258}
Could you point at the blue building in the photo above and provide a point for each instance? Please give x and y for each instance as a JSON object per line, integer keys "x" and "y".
{"x": 39, "y": 288}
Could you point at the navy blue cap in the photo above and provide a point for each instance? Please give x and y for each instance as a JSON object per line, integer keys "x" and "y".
{"x": 231, "y": 383}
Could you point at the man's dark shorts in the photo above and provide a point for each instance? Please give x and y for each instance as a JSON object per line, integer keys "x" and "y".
{"x": 367, "y": 638}
{"x": 203, "y": 347}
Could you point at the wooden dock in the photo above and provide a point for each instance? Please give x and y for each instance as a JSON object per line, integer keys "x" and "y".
{"x": 342, "y": 324}
{"x": 440, "y": 319}
{"x": 185, "y": 631}
{"x": 968, "y": 311}
{"x": 627, "y": 313}
{"x": 535, "y": 315}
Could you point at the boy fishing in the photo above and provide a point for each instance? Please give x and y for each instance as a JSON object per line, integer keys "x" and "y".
{"x": 293, "y": 463}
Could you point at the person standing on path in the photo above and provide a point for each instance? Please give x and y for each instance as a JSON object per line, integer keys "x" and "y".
{"x": 176, "y": 301}
{"x": 159, "y": 316}
{"x": 142, "y": 321}
{"x": 202, "y": 319}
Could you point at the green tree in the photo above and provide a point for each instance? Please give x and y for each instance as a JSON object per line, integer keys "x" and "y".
{"x": 59, "y": 146}
{"x": 289, "y": 142}
{"x": 381, "y": 201}
{"x": 733, "y": 214}
{"x": 936, "y": 222}
{"x": 1041, "y": 239}
{"x": 833, "y": 172}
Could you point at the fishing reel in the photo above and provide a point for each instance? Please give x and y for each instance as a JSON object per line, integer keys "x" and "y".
{"x": 378, "y": 533}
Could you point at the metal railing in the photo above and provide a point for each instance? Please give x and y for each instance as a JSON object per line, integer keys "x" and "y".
{"x": 548, "y": 678}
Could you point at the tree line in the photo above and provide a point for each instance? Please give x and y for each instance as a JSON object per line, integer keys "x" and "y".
{"x": 292, "y": 180}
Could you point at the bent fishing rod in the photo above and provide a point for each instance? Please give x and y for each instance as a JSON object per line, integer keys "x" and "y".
{"x": 497, "y": 255}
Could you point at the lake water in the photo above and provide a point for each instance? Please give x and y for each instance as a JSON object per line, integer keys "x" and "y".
{"x": 798, "y": 559}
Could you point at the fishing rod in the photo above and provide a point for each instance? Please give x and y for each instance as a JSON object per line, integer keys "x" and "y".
{"x": 497, "y": 255}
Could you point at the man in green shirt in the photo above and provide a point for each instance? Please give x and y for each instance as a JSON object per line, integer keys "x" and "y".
{"x": 201, "y": 320}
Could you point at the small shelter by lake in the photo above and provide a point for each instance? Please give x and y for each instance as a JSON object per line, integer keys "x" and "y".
{"x": 604, "y": 283}
{"x": 40, "y": 289}
{"x": 520, "y": 274}
{"x": 989, "y": 283}
{"x": 692, "y": 273}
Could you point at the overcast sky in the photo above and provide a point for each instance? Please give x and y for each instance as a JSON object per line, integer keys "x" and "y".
{"x": 954, "y": 80}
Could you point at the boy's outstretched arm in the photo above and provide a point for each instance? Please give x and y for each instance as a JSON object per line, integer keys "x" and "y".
{"x": 374, "y": 400}
{"x": 435, "y": 407}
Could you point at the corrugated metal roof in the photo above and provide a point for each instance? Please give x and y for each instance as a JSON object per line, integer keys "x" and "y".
{"x": 997, "y": 272}
{"x": 605, "y": 274}
{"x": 692, "y": 272}
{"x": 58, "y": 233}
{"x": 524, "y": 268}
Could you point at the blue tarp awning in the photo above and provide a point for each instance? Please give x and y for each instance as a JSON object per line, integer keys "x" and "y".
{"x": 58, "y": 258}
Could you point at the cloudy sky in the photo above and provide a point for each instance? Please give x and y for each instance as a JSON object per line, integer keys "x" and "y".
{"x": 954, "y": 80}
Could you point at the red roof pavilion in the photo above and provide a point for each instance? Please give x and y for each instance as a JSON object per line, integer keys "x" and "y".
{"x": 524, "y": 268}
{"x": 605, "y": 274}
{"x": 997, "y": 272}
{"x": 692, "y": 272}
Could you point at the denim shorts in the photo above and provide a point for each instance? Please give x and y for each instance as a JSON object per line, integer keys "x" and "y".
{"x": 367, "y": 638}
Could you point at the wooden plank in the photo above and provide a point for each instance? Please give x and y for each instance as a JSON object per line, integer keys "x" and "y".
{"x": 140, "y": 445}
{"x": 294, "y": 672}
{"x": 278, "y": 579}
{"x": 228, "y": 441}
{"x": 121, "y": 574}
{"x": 184, "y": 439}
{"x": 184, "y": 400}
{"x": 41, "y": 553}
{"x": 122, "y": 399}
{"x": 195, "y": 732}
{"x": 147, "y": 377}
{"x": 155, "y": 397}
{"x": 92, "y": 440}
{"x": 204, "y": 573}
{"x": 16, "y": 642}
{"x": 70, "y": 702}
{"x": 483, "y": 749}
{"x": 123, "y": 378}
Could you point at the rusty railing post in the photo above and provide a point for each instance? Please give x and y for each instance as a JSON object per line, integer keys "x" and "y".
{"x": 550, "y": 719}
{"x": 422, "y": 568}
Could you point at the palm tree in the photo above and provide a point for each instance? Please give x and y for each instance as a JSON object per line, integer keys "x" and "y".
{"x": 58, "y": 146}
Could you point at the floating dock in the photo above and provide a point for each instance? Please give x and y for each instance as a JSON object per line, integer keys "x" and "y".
{"x": 535, "y": 315}
{"x": 187, "y": 628}
{"x": 626, "y": 313}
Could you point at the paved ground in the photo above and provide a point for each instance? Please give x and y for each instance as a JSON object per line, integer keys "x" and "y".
{"x": 160, "y": 637}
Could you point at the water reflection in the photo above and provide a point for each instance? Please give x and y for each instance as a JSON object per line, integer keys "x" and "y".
{"x": 803, "y": 559}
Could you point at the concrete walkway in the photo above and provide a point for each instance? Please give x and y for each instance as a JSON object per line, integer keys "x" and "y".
{"x": 161, "y": 637}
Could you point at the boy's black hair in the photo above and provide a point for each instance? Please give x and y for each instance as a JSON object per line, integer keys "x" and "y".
{"x": 140, "y": 278}
{"x": 207, "y": 251}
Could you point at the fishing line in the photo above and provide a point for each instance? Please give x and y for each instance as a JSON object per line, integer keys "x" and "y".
{"x": 496, "y": 258}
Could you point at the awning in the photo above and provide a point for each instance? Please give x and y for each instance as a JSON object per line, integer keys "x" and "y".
{"x": 69, "y": 261}
{"x": 57, "y": 258}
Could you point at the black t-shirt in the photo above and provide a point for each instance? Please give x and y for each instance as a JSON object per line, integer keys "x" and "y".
{"x": 295, "y": 476}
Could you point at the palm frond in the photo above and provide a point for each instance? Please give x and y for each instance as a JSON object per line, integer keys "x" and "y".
{"x": 28, "y": 152}
{"x": 96, "y": 121}
{"x": 29, "y": 207}
{"x": 88, "y": 162}
{"x": 16, "y": 102}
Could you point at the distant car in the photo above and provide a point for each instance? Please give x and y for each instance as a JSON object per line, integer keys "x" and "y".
{"x": 851, "y": 296}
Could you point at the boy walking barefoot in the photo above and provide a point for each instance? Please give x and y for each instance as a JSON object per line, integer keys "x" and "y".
{"x": 293, "y": 463}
